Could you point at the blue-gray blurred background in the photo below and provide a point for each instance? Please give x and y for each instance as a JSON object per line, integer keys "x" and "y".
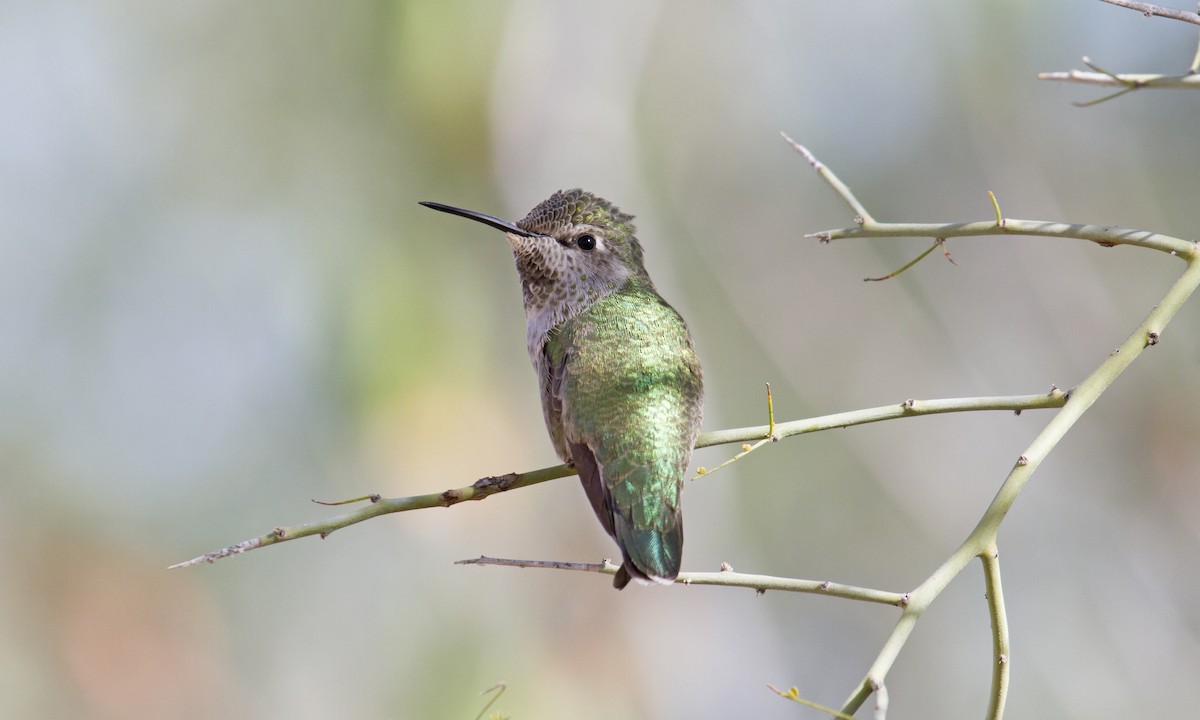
{"x": 219, "y": 299}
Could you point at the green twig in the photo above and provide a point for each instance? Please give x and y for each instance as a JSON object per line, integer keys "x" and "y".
{"x": 982, "y": 539}
{"x": 794, "y": 695}
{"x": 500, "y": 687}
{"x": 747, "y": 449}
{"x": 860, "y": 212}
{"x": 912, "y": 262}
{"x": 488, "y": 486}
{"x": 1001, "y": 655}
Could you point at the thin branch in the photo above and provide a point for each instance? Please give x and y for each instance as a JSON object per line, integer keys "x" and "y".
{"x": 1103, "y": 235}
{"x": 909, "y": 408}
{"x": 482, "y": 488}
{"x": 1124, "y": 80}
{"x": 747, "y": 449}
{"x": 488, "y": 486}
{"x": 982, "y": 539}
{"x": 1129, "y": 82}
{"x": 498, "y": 686}
{"x": 860, "y": 212}
{"x": 1157, "y": 11}
{"x": 910, "y": 263}
{"x": 725, "y": 578}
{"x": 999, "y": 622}
{"x": 881, "y": 702}
{"x": 793, "y": 694}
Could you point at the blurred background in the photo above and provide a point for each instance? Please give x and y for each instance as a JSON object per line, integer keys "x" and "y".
{"x": 219, "y": 299}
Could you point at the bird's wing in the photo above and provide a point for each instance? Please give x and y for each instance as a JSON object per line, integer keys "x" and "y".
{"x": 630, "y": 391}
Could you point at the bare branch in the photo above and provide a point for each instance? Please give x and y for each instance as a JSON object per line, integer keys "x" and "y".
{"x": 1001, "y": 657}
{"x": 981, "y": 542}
{"x": 726, "y": 577}
{"x": 1126, "y": 80}
{"x": 1157, "y": 11}
{"x": 488, "y": 486}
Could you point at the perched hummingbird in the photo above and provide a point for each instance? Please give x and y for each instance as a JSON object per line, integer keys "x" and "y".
{"x": 621, "y": 386}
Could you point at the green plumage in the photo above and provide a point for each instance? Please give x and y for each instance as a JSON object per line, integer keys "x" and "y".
{"x": 624, "y": 392}
{"x": 621, "y": 385}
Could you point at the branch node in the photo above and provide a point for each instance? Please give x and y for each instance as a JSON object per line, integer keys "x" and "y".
{"x": 279, "y": 533}
{"x": 1022, "y": 461}
{"x": 726, "y": 567}
{"x": 1151, "y": 338}
{"x": 498, "y": 483}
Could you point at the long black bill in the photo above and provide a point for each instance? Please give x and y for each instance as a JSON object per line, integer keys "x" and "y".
{"x": 481, "y": 217}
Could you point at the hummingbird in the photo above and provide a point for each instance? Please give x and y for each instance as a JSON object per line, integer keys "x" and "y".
{"x": 621, "y": 386}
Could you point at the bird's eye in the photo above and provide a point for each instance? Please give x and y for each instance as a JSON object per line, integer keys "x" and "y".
{"x": 585, "y": 242}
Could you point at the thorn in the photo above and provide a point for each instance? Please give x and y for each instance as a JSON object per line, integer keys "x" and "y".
{"x": 771, "y": 415}
{"x": 1000, "y": 223}
{"x": 946, "y": 252}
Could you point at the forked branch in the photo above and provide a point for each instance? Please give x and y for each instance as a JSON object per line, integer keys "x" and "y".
{"x": 981, "y": 542}
{"x": 488, "y": 486}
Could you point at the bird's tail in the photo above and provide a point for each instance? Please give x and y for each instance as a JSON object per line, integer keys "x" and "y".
{"x": 649, "y": 555}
